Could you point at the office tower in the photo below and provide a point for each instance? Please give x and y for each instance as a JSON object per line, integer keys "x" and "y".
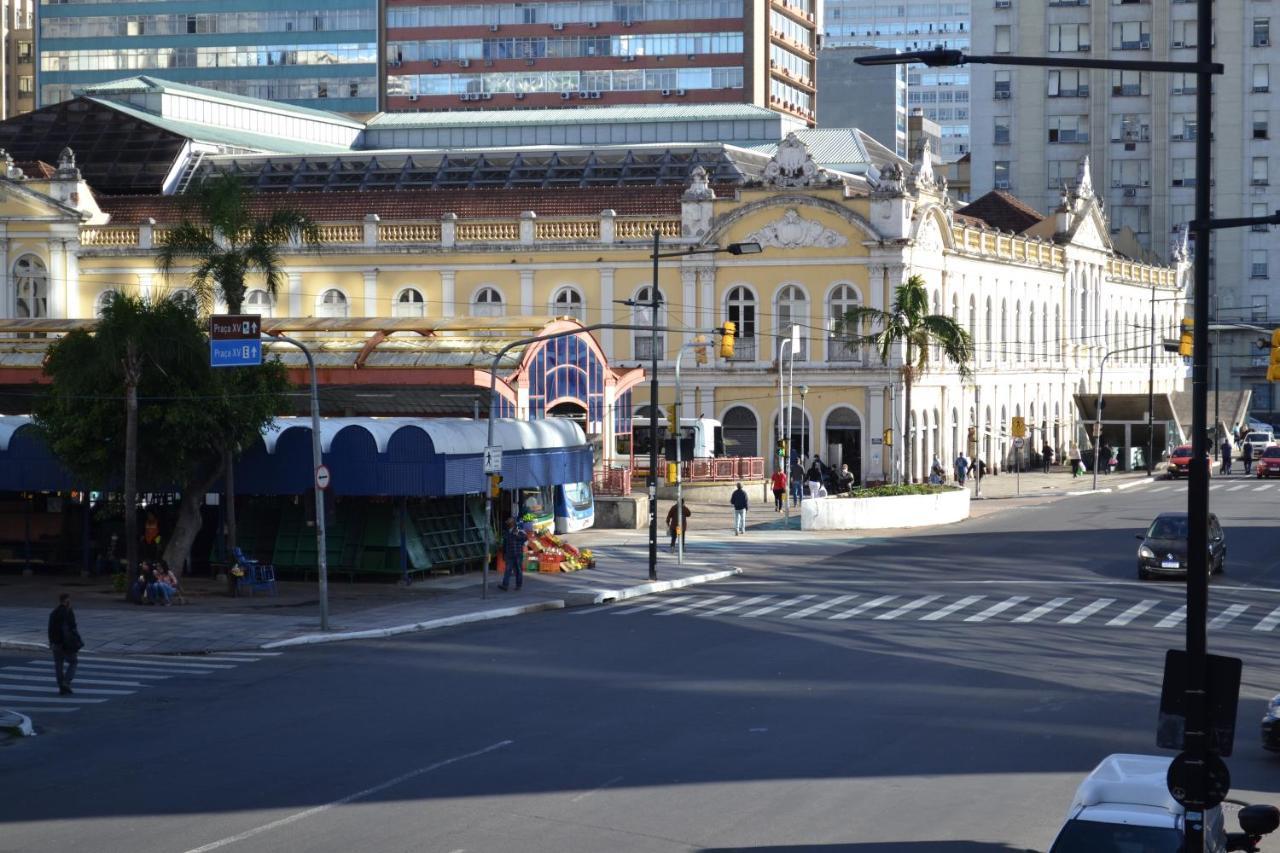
{"x": 872, "y": 99}
{"x": 18, "y": 44}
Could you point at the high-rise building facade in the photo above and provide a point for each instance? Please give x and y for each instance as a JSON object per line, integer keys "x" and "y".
{"x": 881, "y": 106}
{"x": 441, "y": 55}
{"x": 942, "y": 93}
{"x": 18, "y": 44}
{"x": 1032, "y": 127}
{"x": 319, "y": 53}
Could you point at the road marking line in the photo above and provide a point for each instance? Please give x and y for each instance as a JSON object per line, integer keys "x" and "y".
{"x": 1216, "y": 486}
{"x": 220, "y": 657}
{"x": 1173, "y": 618}
{"x": 5, "y": 676}
{"x": 652, "y": 605}
{"x": 1238, "y": 488}
{"x": 144, "y": 662}
{"x": 908, "y": 607}
{"x": 350, "y": 798}
{"x": 772, "y": 607}
{"x": 40, "y": 699}
{"x": 32, "y": 709}
{"x": 1134, "y": 612}
{"x": 1269, "y": 621}
{"x": 1160, "y": 489}
{"x": 996, "y": 609}
{"x": 615, "y": 780}
{"x": 729, "y": 608}
{"x": 864, "y": 607}
{"x": 694, "y": 605}
{"x": 1036, "y": 613}
{"x": 104, "y": 669}
{"x": 1228, "y": 615}
{"x": 944, "y": 612}
{"x": 1085, "y": 612}
{"x": 44, "y": 688}
{"x": 819, "y": 607}
{"x": 1264, "y": 488}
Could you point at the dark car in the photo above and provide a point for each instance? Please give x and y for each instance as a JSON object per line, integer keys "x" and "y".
{"x": 1268, "y": 463}
{"x": 1271, "y": 726}
{"x": 1163, "y": 552}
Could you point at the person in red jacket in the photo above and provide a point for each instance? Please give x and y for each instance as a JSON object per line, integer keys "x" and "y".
{"x": 779, "y": 484}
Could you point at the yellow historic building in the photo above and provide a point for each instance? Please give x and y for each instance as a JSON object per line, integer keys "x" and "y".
{"x": 568, "y": 232}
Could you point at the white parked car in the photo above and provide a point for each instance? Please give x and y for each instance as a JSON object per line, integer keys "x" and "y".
{"x": 1260, "y": 441}
{"x": 1124, "y": 804}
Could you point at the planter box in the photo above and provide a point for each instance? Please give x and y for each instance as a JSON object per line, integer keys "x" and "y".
{"x": 879, "y": 513}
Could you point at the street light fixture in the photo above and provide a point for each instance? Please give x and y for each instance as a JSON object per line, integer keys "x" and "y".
{"x": 1196, "y": 743}
{"x": 804, "y": 419}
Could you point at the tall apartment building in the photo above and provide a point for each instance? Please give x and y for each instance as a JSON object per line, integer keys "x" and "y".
{"x": 1033, "y": 126}
{"x": 441, "y": 55}
{"x": 881, "y": 106}
{"x": 318, "y": 53}
{"x": 942, "y": 93}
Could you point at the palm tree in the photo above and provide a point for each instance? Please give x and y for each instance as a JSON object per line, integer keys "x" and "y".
{"x": 226, "y": 241}
{"x": 908, "y": 322}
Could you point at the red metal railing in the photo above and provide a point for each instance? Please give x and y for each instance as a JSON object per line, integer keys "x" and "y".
{"x": 612, "y": 481}
{"x": 712, "y": 470}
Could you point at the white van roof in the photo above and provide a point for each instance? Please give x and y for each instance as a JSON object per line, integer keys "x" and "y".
{"x": 1135, "y": 780}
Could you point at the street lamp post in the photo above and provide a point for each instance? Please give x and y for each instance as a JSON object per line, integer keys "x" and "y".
{"x": 804, "y": 420}
{"x": 784, "y": 435}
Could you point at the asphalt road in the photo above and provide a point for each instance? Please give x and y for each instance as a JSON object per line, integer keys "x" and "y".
{"x": 940, "y": 691}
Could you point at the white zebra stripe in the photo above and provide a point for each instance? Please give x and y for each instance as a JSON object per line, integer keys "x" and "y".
{"x": 1085, "y": 612}
{"x": 1226, "y": 616}
{"x": 997, "y": 609}
{"x": 1173, "y": 618}
{"x": 693, "y": 605}
{"x": 944, "y": 612}
{"x": 908, "y": 607}
{"x": 736, "y": 605}
{"x": 1134, "y": 612}
{"x": 1268, "y": 622}
{"x": 819, "y": 607}
{"x": 772, "y": 607}
{"x": 864, "y": 607}
{"x": 1048, "y": 607}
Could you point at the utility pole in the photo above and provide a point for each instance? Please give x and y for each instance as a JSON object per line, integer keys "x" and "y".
{"x": 653, "y": 415}
{"x": 1151, "y": 391}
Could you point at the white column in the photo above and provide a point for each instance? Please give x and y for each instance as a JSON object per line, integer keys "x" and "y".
{"x": 875, "y": 457}
{"x": 447, "y": 307}
{"x": 875, "y": 286}
{"x": 371, "y": 293}
{"x": 605, "y": 336}
{"x": 294, "y": 294}
{"x": 8, "y": 295}
{"x": 146, "y": 282}
{"x": 71, "y": 278}
{"x": 57, "y": 287}
{"x": 707, "y": 300}
{"x": 689, "y": 296}
{"x": 526, "y": 292}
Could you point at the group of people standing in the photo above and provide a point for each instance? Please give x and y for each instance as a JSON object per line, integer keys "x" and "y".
{"x": 1246, "y": 452}
{"x": 817, "y": 481}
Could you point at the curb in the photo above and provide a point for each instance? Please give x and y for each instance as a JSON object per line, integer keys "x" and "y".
{"x": 429, "y": 625}
{"x": 16, "y": 724}
{"x": 24, "y": 646}
{"x": 588, "y": 597}
{"x": 1135, "y": 483}
{"x": 1090, "y": 492}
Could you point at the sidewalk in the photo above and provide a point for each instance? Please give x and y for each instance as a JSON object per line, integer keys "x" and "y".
{"x": 214, "y": 621}
{"x": 1057, "y": 483}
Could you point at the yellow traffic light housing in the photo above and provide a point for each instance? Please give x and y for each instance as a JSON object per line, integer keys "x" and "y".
{"x": 673, "y": 473}
{"x": 495, "y": 485}
{"x": 727, "y": 333}
{"x": 1184, "y": 339}
{"x": 1273, "y": 366}
{"x": 673, "y": 419}
{"x": 888, "y": 438}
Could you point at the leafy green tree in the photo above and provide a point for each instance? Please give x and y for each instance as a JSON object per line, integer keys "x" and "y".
{"x": 225, "y": 236}
{"x": 908, "y": 322}
{"x": 136, "y": 402}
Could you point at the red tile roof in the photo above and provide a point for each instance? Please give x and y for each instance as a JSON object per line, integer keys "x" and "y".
{"x": 424, "y": 204}
{"x": 38, "y": 169}
{"x": 999, "y": 209}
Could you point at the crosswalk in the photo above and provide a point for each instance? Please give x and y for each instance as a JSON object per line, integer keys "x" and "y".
{"x": 1110, "y": 612}
{"x": 30, "y": 687}
{"x": 1244, "y": 484}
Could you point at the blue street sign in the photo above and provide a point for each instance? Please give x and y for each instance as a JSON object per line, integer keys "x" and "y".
{"x": 235, "y": 353}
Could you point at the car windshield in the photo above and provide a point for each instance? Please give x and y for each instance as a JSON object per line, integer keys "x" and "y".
{"x": 1271, "y": 452}
{"x": 1185, "y": 450}
{"x": 1168, "y": 528}
{"x": 1086, "y": 836}
{"x": 1258, "y": 438}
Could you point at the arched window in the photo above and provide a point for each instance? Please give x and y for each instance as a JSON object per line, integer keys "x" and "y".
{"x": 1085, "y": 332}
{"x": 258, "y": 302}
{"x": 1044, "y": 341}
{"x": 740, "y": 432}
{"x": 990, "y": 336}
{"x": 332, "y": 303}
{"x": 802, "y": 437}
{"x": 1018, "y": 354}
{"x": 842, "y": 299}
{"x": 568, "y": 302}
{"x": 1031, "y": 333}
{"x": 793, "y": 307}
{"x": 644, "y": 344}
{"x": 185, "y": 296}
{"x": 487, "y": 303}
{"x": 409, "y": 303}
{"x": 1004, "y": 329}
{"x": 104, "y": 299}
{"x": 31, "y": 282}
{"x": 843, "y": 434}
{"x": 740, "y": 308}
{"x": 973, "y": 321}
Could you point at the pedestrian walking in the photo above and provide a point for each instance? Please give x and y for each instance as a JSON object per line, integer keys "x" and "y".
{"x": 1247, "y": 456}
{"x": 1105, "y": 459}
{"x": 936, "y": 472}
{"x": 678, "y": 528}
{"x": 513, "y": 540}
{"x": 64, "y": 642}
{"x": 739, "y": 501}
{"x": 797, "y": 480}
{"x": 1073, "y": 457}
{"x": 1226, "y": 456}
{"x": 962, "y": 468}
{"x": 1046, "y": 456}
{"x": 778, "y": 482}
{"x": 845, "y": 481}
{"x": 979, "y": 469}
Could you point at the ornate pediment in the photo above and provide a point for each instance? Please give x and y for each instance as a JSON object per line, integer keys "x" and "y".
{"x": 792, "y": 165}
{"x": 793, "y": 231}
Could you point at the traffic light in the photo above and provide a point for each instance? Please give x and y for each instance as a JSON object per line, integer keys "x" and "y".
{"x": 673, "y": 422}
{"x": 700, "y": 349}
{"x": 888, "y": 438}
{"x": 727, "y": 333}
{"x": 673, "y": 473}
{"x": 495, "y": 485}
{"x": 1184, "y": 339}
{"x": 1273, "y": 366}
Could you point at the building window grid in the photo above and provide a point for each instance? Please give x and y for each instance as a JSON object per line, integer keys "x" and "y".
{"x": 589, "y": 11}
{"x": 131, "y": 59}
{"x": 561, "y": 47}
{"x": 105, "y": 26}
{"x": 569, "y": 81}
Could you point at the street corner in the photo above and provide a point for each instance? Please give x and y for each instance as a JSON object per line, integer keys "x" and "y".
{"x": 588, "y": 596}
{"x": 15, "y": 725}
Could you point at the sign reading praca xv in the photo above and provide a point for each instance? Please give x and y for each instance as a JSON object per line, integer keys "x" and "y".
{"x": 234, "y": 340}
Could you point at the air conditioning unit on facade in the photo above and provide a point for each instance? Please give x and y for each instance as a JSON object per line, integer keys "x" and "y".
{"x": 557, "y": 27}
{"x": 666, "y": 93}
{"x": 1130, "y": 192}
{"x": 591, "y": 25}
{"x": 1003, "y": 96}
{"x": 464, "y": 63}
{"x": 413, "y": 97}
{"x": 1144, "y": 44}
{"x": 564, "y": 96}
{"x": 519, "y": 96}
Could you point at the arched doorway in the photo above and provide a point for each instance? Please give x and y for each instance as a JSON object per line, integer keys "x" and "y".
{"x": 844, "y": 441}
{"x": 801, "y": 433}
{"x": 741, "y": 432}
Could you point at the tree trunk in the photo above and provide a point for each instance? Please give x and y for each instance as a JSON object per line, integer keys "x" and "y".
{"x": 177, "y": 552}
{"x": 131, "y": 458}
{"x": 228, "y": 468}
{"x": 908, "y": 431}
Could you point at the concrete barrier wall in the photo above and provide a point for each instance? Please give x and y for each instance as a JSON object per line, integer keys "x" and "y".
{"x": 877, "y": 513}
{"x": 622, "y": 513}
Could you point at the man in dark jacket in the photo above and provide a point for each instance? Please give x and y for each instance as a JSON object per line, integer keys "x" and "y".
{"x": 739, "y": 501}
{"x": 513, "y": 555}
{"x": 64, "y": 641}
